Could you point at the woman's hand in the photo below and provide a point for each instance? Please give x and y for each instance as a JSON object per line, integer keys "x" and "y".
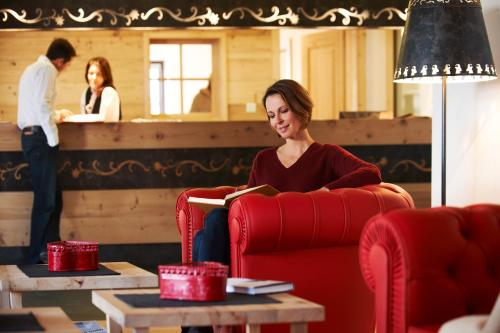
{"x": 324, "y": 189}
{"x": 61, "y": 114}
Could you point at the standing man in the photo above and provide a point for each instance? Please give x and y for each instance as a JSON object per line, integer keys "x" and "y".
{"x": 36, "y": 118}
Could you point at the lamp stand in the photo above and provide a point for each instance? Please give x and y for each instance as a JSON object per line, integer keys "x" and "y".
{"x": 443, "y": 143}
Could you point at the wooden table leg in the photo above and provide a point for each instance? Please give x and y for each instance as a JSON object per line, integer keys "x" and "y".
{"x": 112, "y": 326}
{"x": 252, "y": 328}
{"x": 16, "y": 300}
{"x": 298, "y": 328}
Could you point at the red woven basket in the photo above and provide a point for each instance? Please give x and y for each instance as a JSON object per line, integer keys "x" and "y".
{"x": 73, "y": 256}
{"x": 199, "y": 281}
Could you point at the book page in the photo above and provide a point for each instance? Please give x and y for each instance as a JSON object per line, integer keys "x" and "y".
{"x": 262, "y": 189}
{"x": 206, "y": 204}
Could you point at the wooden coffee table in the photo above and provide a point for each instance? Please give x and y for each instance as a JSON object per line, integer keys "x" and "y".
{"x": 290, "y": 309}
{"x": 13, "y": 282}
{"x": 53, "y": 320}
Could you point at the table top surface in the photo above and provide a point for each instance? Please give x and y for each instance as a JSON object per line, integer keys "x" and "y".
{"x": 13, "y": 279}
{"x": 52, "y": 319}
{"x": 290, "y": 309}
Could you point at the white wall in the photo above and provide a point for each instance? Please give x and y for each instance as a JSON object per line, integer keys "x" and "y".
{"x": 473, "y": 125}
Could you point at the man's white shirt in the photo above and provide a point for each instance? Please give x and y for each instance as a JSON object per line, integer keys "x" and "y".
{"x": 36, "y": 98}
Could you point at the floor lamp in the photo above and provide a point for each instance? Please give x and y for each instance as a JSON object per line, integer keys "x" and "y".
{"x": 444, "y": 41}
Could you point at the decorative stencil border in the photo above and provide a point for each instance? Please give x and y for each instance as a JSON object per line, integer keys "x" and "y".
{"x": 193, "y": 167}
{"x": 179, "y": 13}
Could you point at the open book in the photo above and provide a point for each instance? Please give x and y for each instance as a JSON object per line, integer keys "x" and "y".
{"x": 257, "y": 287}
{"x": 207, "y": 204}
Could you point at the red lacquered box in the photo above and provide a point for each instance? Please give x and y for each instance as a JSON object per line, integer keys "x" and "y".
{"x": 199, "y": 281}
{"x": 73, "y": 256}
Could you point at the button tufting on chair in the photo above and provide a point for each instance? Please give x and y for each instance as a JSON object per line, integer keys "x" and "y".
{"x": 463, "y": 244}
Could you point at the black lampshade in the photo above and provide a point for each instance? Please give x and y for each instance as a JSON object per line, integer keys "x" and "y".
{"x": 445, "y": 38}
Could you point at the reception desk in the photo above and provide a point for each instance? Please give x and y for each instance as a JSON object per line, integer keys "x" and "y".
{"x": 120, "y": 180}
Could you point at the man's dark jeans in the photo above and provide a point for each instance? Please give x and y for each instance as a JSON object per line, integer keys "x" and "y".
{"x": 47, "y": 200}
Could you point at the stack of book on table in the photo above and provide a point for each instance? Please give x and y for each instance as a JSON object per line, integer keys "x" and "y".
{"x": 257, "y": 287}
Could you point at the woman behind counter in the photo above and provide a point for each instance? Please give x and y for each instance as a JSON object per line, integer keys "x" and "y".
{"x": 101, "y": 96}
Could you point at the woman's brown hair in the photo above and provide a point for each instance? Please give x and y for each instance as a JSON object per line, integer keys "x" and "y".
{"x": 105, "y": 70}
{"x": 297, "y": 98}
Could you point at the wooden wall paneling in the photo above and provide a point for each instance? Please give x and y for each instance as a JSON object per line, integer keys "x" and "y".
{"x": 145, "y": 74}
{"x": 373, "y": 131}
{"x": 220, "y": 76}
{"x": 118, "y": 216}
{"x": 323, "y": 72}
{"x": 225, "y": 134}
{"x": 237, "y": 112}
{"x": 15, "y": 212}
{"x": 122, "y": 48}
{"x": 390, "y": 63}
{"x": 240, "y": 92}
{"x": 369, "y": 60}
{"x": 360, "y": 57}
{"x": 10, "y": 136}
{"x": 250, "y": 70}
{"x": 275, "y": 53}
{"x": 355, "y": 70}
{"x": 105, "y": 216}
{"x": 379, "y": 64}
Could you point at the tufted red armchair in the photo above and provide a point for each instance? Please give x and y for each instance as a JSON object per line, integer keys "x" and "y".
{"x": 428, "y": 266}
{"x": 310, "y": 239}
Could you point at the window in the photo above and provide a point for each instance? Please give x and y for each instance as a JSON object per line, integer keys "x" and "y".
{"x": 178, "y": 71}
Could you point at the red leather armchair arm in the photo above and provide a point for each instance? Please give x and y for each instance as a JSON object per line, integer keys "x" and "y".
{"x": 429, "y": 266}
{"x": 189, "y": 218}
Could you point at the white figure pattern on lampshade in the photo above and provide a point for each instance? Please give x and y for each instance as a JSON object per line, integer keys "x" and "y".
{"x": 435, "y": 69}
{"x": 412, "y": 71}
{"x": 447, "y": 69}
{"x": 479, "y": 69}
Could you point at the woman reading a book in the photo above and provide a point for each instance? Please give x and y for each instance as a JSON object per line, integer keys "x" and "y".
{"x": 299, "y": 165}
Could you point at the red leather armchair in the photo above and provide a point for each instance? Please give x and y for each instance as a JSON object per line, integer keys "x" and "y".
{"x": 310, "y": 239}
{"x": 428, "y": 266}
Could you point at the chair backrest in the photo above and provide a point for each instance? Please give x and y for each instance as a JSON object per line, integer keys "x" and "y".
{"x": 312, "y": 240}
{"x": 427, "y": 266}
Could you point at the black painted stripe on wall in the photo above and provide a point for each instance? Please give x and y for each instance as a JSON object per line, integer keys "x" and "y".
{"x": 147, "y": 256}
{"x": 49, "y": 14}
{"x": 192, "y": 167}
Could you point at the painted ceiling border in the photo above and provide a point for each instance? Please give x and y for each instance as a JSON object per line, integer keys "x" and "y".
{"x": 47, "y": 14}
